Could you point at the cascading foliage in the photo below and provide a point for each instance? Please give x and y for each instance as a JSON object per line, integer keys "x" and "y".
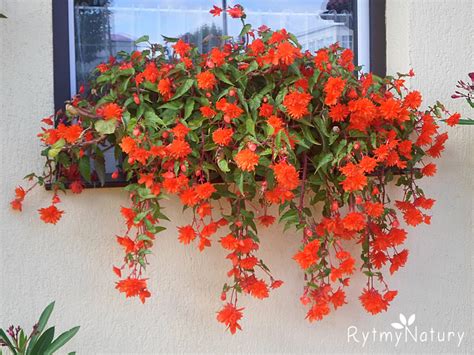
{"x": 253, "y": 123}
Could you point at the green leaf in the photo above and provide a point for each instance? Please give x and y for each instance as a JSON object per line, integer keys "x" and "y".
{"x": 170, "y": 39}
{"x": 43, "y": 320}
{"x": 250, "y": 126}
{"x": 105, "y": 126}
{"x": 223, "y": 165}
{"x": 290, "y": 216}
{"x": 172, "y": 105}
{"x": 85, "y": 168}
{"x": 245, "y": 30}
{"x": 7, "y": 341}
{"x": 142, "y": 39}
{"x": 183, "y": 89}
{"x": 324, "y": 160}
{"x": 56, "y": 148}
{"x": 221, "y": 76}
{"x": 188, "y": 108}
{"x": 44, "y": 341}
{"x": 152, "y": 119}
{"x": 61, "y": 340}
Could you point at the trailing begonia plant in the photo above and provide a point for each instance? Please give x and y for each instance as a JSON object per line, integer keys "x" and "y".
{"x": 253, "y": 123}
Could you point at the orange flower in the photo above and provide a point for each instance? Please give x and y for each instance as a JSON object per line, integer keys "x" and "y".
{"x": 180, "y": 131}
{"x": 354, "y": 221}
{"x": 110, "y": 111}
{"x": 363, "y": 112}
{"x": 367, "y": 164}
{"x": 321, "y": 58}
{"x": 164, "y": 88}
{"x": 338, "y": 298}
{"x": 70, "y": 133}
{"x": 204, "y": 191}
{"x": 16, "y": 205}
{"x": 429, "y": 169}
{"x": 189, "y": 197}
{"x": 133, "y": 287}
{"x": 207, "y": 112}
{"x": 186, "y": 234}
{"x": 309, "y": 255}
{"x": 346, "y": 59}
{"x": 296, "y": 104}
{"x": 413, "y": 100}
{"x": 178, "y": 149}
{"x": 257, "y": 47}
{"x": 276, "y": 123}
{"x": 204, "y": 210}
{"x": 248, "y": 263}
{"x": 215, "y": 11}
{"x": 206, "y": 80}
{"x": 286, "y": 53}
{"x": 278, "y": 195}
{"x": 232, "y": 111}
{"x": 266, "y": 220}
{"x": 20, "y": 193}
{"x": 373, "y": 301}
{"x": 217, "y": 56}
{"x": 390, "y": 109}
{"x": 354, "y": 182}
{"x": 258, "y": 289}
{"x": 318, "y": 311}
{"x": 222, "y": 136}
{"x": 453, "y": 120}
{"x": 374, "y": 209}
{"x": 127, "y": 144}
{"x": 236, "y": 12}
{"x": 399, "y": 260}
{"x": 230, "y": 315}
{"x": 246, "y": 160}
{"x": 338, "y": 112}
{"x": 76, "y": 187}
{"x": 175, "y": 184}
{"x": 151, "y": 72}
{"x": 438, "y": 146}
{"x": 333, "y": 89}
{"x": 182, "y": 48}
{"x": 286, "y": 175}
{"x": 128, "y": 244}
{"x": 50, "y": 214}
{"x": 266, "y": 110}
{"x": 229, "y": 242}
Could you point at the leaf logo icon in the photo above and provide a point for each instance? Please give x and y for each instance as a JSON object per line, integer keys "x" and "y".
{"x": 404, "y": 323}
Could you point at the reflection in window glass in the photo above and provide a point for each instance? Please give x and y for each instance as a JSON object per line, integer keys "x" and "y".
{"x": 105, "y": 27}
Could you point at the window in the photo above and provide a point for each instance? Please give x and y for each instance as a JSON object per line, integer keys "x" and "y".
{"x": 87, "y": 32}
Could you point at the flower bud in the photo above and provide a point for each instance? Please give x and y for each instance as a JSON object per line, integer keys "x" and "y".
{"x": 252, "y": 146}
{"x": 115, "y": 174}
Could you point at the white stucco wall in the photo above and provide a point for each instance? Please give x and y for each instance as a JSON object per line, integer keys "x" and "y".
{"x": 71, "y": 262}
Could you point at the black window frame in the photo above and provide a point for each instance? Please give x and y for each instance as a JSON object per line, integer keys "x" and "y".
{"x": 62, "y": 64}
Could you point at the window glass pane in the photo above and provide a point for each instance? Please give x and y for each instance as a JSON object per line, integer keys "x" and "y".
{"x": 105, "y": 27}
